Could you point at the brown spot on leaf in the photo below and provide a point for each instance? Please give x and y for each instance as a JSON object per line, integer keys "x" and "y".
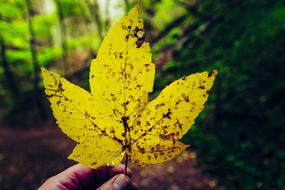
{"x": 159, "y": 105}
{"x": 185, "y": 97}
{"x": 59, "y": 86}
{"x": 167, "y": 115}
{"x": 121, "y": 55}
{"x": 138, "y": 122}
{"x": 201, "y": 87}
{"x": 140, "y": 35}
{"x": 214, "y": 72}
{"x": 127, "y": 37}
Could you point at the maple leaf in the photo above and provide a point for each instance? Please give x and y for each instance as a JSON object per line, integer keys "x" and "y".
{"x": 116, "y": 119}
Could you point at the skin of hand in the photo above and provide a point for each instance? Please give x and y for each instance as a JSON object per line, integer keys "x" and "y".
{"x": 79, "y": 177}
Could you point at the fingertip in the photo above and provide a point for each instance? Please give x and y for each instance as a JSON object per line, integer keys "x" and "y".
{"x": 121, "y": 182}
{"x": 120, "y": 169}
{"x": 118, "y": 182}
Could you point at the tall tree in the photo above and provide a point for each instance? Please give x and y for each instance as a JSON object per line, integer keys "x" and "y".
{"x": 63, "y": 35}
{"x": 36, "y": 67}
{"x": 107, "y": 15}
{"x": 94, "y": 9}
{"x": 10, "y": 79}
{"x": 127, "y": 6}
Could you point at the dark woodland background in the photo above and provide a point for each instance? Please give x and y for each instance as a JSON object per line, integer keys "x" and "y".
{"x": 238, "y": 140}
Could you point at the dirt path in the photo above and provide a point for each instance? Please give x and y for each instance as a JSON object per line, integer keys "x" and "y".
{"x": 28, "y": 157}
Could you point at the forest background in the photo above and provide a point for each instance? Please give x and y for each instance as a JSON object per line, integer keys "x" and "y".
{"x": 240, "y": 137}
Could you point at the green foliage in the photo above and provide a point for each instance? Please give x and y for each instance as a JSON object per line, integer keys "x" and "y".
{"x": 241, "y": 143}
{"x": 240, "y": 138}
{"x": 15, "y": 36}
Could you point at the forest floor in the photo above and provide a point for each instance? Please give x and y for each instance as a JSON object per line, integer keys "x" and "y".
{"x": 28, "y": 157}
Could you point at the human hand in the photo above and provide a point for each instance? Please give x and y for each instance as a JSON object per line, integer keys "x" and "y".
{"x": 79, "y": 177}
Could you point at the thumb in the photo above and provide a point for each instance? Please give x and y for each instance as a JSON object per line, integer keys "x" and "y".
{"x": 118, "y": 182}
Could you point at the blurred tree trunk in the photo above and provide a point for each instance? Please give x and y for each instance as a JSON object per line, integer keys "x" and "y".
{"x": 127, "y": 6}
{"x": 36, "y": 67}
{"x": 94, "y": 10}
{"x": 9, "y": 77}
{"x": 87, "y": 19}
{"x": 63, "y": 37}
{"x": 107, "y": 15}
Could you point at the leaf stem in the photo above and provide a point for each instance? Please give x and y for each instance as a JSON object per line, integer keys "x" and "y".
{"x": 126, "y": 164}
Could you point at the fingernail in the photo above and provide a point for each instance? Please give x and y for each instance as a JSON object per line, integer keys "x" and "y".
{"x": 121, "y": 182}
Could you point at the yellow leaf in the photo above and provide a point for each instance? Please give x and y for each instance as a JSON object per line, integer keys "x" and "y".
{"x": 116, "y": 119}
{"x": 98, "y": 151}
{"x": 123, "y": 66}
{"x": 168, "y": 117}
